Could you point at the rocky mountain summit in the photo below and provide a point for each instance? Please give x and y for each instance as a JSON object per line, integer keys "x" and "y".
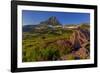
{"x": 53, "y": 21}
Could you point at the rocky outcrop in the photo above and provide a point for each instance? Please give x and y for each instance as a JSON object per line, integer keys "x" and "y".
{"x": 79, "y": 38}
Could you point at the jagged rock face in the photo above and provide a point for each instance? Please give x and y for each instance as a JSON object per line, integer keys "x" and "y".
{"x": 51, "y": 21}
{"x": 86, "y": 34}
{"x": 79, "y": 38}
{"x": 75, "y": 42}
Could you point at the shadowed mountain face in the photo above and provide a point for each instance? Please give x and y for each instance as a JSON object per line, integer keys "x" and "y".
{"x": 50, "y": 40}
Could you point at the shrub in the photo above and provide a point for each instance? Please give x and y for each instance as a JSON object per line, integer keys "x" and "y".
{"x": 50, "y": 53}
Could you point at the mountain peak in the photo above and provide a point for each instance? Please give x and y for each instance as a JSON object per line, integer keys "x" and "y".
{"x": 52, "y": 18}
{"x": 51, "y": 21}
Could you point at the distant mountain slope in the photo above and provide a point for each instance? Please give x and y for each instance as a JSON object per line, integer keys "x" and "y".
{"x": 28, "y": 28}
{"x": 50, "y": 22}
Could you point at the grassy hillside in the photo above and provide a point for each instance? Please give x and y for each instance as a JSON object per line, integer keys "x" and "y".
{"x": 37, "y": 46}
{"x": 49, "y": 44}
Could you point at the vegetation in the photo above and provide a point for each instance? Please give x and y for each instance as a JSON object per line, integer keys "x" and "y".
{"x": 38, "y": 47}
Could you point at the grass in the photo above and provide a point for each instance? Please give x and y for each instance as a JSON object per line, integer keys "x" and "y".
{"x": 43, "y": 46}
{"x": 38, "y": 47}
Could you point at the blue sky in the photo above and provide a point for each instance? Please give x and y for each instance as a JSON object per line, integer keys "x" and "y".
{"x": 35, "y": 17}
